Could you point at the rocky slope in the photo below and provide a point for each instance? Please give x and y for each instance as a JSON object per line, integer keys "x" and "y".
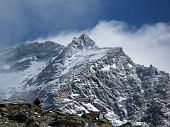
{"x": 82, "y": 77}
{"x": 18, "y": 113}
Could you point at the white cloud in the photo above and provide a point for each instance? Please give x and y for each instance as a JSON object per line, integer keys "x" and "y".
{"x": 147, "y": 45}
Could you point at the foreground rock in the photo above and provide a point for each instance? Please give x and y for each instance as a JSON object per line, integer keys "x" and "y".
{"x": 21, "y": 114}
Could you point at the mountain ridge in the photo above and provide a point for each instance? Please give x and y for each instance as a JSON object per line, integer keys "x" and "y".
{"x": 82, "y": 77}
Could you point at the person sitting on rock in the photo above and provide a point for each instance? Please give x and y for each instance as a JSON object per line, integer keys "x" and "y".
{"x": 37, "y": 102}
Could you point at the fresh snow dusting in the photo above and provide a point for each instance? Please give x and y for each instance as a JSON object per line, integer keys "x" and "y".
{"x": 113, "y": 66}
{"x": 81, "y": 108}
{"x": 27, "y": 58}
{"x": 129, "y": 65}
{"x": 112, "y": 117}
{"x": 106, "y": 68}
{"x": 83, "y": 57}
{"x": 143, "y": 124}
{"x": 74, "y": 95}
{"x": 90, "y": 107}
{"x": 92, "y": 70}
{"x": 66, "y": 100}
{"x": 120, "y": 99}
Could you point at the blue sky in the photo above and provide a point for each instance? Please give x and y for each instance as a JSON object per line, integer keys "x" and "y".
{"x": 26, "y": 20}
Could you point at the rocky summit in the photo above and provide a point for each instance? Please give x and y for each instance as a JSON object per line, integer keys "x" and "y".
{"x": 82, "y": 78}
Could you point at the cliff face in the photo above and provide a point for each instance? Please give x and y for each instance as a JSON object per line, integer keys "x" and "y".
{"x": 82, "y": 77}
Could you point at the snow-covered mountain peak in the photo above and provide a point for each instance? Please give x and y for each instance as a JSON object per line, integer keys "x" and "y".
{"x": 82, "y": 77}
{"x": 82, "y": 42}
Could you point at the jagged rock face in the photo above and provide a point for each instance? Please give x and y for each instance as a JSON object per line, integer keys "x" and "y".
{"x": 156, "y": 86}
{"x": 82, "y": 77}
